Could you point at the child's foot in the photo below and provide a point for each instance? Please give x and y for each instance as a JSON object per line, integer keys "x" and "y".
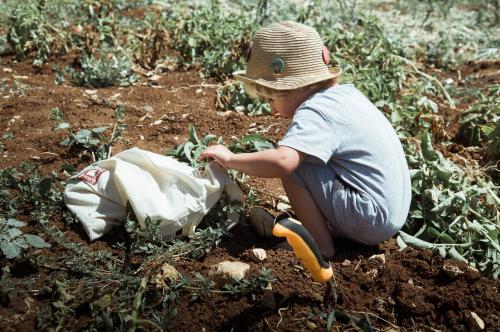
{"x": 262, "y": 221}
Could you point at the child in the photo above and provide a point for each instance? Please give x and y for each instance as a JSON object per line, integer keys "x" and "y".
{"x": 341, "y": 163}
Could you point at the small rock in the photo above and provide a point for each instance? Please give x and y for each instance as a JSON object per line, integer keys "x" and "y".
{"x": 230, "y": 269}
{"x": 90, "y": 92}
{"x": 380, "y": 257}
{"x": 141, "y": 137}
{"x": 449, "y": 80}
{"x": 7, "y": 70}
{"x": 259, "y": 254}
{"x": 346, "y": 262}
{"x": 199, "y": 91}
{"x": 239, "y": 109}
{"x": 410, "y": 282}
{"x": 451, "y": 270}
{"x": 147, "y": 116}
{"x": 372, "y": 274}
{"x": 282, "y": 206}
{"x": 147, "y": 109}
{"x": 475, "y": 322}
{"x": 311, "y": 325}
{"x": 185, "y": 115}
{"x": 223, "y": 114}
{"x": 284, "y": 199}
{"x": 167, "y": 272}
{"x": 157, "y": 122}
{"x": 154, "y": 78}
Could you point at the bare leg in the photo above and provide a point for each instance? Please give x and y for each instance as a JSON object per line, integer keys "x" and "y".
{"x": 309, "y": 215}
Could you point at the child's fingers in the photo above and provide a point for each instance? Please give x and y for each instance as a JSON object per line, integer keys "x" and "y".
{"x": 206, "y": 155}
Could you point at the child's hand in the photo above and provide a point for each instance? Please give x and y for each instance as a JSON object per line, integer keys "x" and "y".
{"x": 219, "y": 153}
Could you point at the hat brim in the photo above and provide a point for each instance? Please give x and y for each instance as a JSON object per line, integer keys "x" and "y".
{"x": 284, "y": 84}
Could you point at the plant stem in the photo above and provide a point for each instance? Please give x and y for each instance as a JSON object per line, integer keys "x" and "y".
{"x": 429, "y": 77}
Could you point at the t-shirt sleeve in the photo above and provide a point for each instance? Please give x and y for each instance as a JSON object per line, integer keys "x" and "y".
{"x": 311, "y": 132}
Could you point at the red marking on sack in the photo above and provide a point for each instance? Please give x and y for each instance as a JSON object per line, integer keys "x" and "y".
{"x": 326, "y": 55}
{"x": 91, "y": 175}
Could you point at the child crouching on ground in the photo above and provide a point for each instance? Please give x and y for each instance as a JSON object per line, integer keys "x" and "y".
{"x": 341, "y": 163}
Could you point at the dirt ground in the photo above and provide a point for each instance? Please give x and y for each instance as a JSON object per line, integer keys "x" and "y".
{"x": 406, "y": 290}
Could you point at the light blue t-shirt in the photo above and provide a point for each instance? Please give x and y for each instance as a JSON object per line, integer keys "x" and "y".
{"x": 342, "y": 128}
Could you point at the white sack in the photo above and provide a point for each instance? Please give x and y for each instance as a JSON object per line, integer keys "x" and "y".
{"x": 156, "y": 186}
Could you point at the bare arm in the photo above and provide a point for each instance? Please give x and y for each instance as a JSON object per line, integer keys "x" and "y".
{"x": 272, "y": 163}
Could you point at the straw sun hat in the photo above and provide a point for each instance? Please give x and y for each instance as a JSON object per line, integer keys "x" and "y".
{"x": 287, "y": 56}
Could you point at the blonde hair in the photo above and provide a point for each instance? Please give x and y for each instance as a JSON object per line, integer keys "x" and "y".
{"x": 261, "y": 92}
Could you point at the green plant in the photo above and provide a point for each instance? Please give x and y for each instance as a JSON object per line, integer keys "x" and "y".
{"x": 480, "y": 123}
{"x": 210, "y": 35}
{"x": 453, "y": 211}
{"x": 232, "y": 97}
{"x": 250, "y": 285}
{"x": 108, "y": 68}
{"x": 31, "y": 29}
{"x": 93, "y": 141}
{"x": 13, "y": 241}
{"x": 189, "y": 151}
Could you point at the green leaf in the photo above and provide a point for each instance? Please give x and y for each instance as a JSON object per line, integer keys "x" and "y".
{"x": 416, "y": 242}
{"x": 14, "y": 232}
{"x": 427, "y": 149}
{"x": 100, "y": 130}
{"x": 63, "y": 125}
{"x": 15, "y": 223}
{"x": 36, "y": 241}
{"x": 456, "y": 255}
{"x": 193, "y": 137}
{"x": 10, "y": 250}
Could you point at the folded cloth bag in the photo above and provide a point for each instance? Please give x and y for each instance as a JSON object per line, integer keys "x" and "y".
{"x": 155, "y": 186}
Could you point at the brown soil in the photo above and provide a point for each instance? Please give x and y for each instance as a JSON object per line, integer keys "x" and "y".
{"x": 408, "y": 291}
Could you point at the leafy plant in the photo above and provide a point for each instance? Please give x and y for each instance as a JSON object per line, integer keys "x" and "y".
{"x": 29, "y": 29}
{"x": 453, "y": 211}
{"x": 189, "y": 151}
{"x": 13, "y": 241}
{"x": 232, "y": 97}
{"x": 479, "y": 124}
{"x": 105, "y": 69}
{"x": 210, "y": 35}
{"x": 93, "y": 141}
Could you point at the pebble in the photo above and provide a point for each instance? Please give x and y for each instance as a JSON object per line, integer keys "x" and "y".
{"x": 90, "y": 92}
{"x": 239, "y": 109}
{"x": 311, "y": 325}
{"x": 451, "y": 270}
{"x": 147, "y": 109}
{"x": 167, "y": 272}
{"x": 230, "y": 269}
{"x": 381, "y": 257}
{"x": 157, "y": 122}
{"x": 475, "y": 322}
{"x": 282, "y": 206}
{"x": 346, "y": 262}
{"x": 223, "y": 114}
{"x": 259, "y": 254}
